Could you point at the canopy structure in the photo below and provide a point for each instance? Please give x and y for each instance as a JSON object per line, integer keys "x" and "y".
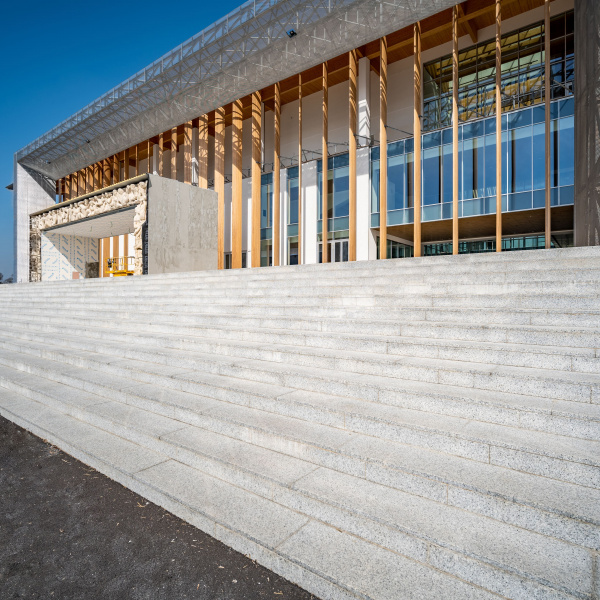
{"x": 245, "y": 51}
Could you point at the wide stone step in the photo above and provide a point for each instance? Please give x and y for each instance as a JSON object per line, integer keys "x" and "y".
{"x": 356, "y": 376}
{"x": 528, "y": 329}
{"x": 564, "y": 458}
{"x": 270, "y": 345}
{"x": 528, "y": 412}
{"x": 401, "y": 522}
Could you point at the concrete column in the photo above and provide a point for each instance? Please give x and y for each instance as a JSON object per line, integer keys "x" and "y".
{"x": 155, "y": 159}
{"x": 31, "y": 193}
{"x": 247, "y": 221}
{"x": 364, "y": 98}
{"x": 283, "y": 217}
{"x": 195, "y": 156}
{"x": 310, "y": 192}
{"x": 587, "y": 124}
{"x": 363, "y": 202}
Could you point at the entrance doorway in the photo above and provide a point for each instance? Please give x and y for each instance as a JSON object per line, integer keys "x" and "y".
{"x": 338, "y": 250}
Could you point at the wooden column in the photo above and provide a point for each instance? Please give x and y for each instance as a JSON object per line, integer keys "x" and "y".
{"x": 383, "y": 148}
{"x": 220, "y": 182}
{"x": 548, "y": 208}
{"x": 236, "y": 185}
{"x": 106, "y": 172}
{"x": 352, "y": 72}
{"x": 498, "y": 129}
{"x": 276, "y": 174}
{"x": 97, "y": 176}
{"x": 324, "y": 169}
{"x": 105, "y": 255}
{"x": 174, "y": 153}
{"x": 300, "y": 169}
{"x": 417, "y": 139}
{"x": 149, "y": 161}
{"x": 455, "y": 130}
{"x": 116, "y": 169}
{"x": 203, "y": 151}
{"x": 161, "y": 147}
{"x": 126, "y": 164}
{"x": 89, "y": 172}
{"x": 187, "y": 152}
{"x": 256, "y": 178}
{"x": 136, "y": 160}
{"x": 68, "y": 187}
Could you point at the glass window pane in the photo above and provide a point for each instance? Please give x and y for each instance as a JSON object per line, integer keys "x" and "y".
{"x": 539, "y": 162}
{"x": 341, "y": 192}
{"x": 566, "y": 152}
{"x": 490, "y": 165}
{"x": 396, "y": 182}
{"x": 447, "y": 173}
{"x": 292, "y": 201}
{"x": 431, "y": 175}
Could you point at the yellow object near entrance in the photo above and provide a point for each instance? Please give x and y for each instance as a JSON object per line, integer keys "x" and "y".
{"x": 120, "y": 266}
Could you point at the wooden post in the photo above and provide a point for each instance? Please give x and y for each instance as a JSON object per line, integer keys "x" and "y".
{"x": 383, "y": 148}
{"x": 256, "y": 176}
{"x": 68, "y": 187}
{"x": 352, "y": 72}
{"x": 276, "y": 174}
{"x": 236, "y": 185}
{"x": 149, "y": 161}
{"x": 300, "y": 169}
{"x": 455, "y": 130}
{"x": 498, "y": 129}
{"x": 417, "y": 139}
{"x": 220, "y": 182}
{"x": 174, "y": 153}
{"x": 136, "y": 160}
{"x": 106, "y": 172}
{"x": 126, "y": 164}
{"x": 105, "y": 255}
{"x": 114, "y": 168}
{"x": 161, "y": 147}
{"x": 203, "y": 151}
{"x": 97, "y": 176}
{"x": 187, "y": 152}
{"x": 548, "y": 208}
{"x": 89, "y": 172}
{"x": 324, "y": 169}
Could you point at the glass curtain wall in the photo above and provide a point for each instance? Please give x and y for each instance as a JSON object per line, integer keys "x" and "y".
{"x": 292, "y": 215}
{"x": 523, "y": 167}
{"x": 338, "y": 206}
{"x": 522, "y": 74}
{"x": 266, "y": 220}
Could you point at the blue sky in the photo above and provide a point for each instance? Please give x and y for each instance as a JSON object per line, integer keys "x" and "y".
{"x": 59, "y": 56}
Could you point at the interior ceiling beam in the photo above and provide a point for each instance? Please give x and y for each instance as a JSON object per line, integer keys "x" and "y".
{"x": 467, "y": 26}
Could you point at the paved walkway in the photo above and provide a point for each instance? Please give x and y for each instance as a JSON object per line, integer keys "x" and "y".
{"x": 68, "y": 532}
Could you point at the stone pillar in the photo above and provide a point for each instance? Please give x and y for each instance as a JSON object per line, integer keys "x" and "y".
{"x": 587, "y": 123}
{"x": 363, "y": 202}
{"x": 364, "y": 99}
{"x": 32, "y": 192}
{"x": 310, "y": 193}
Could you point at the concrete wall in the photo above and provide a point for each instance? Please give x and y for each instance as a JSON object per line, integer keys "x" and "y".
{"x": 62, "y": 255}
{"x": 587, "y": 123}
{"x": 182, "y": 227}
{"x": 31, "y": 193}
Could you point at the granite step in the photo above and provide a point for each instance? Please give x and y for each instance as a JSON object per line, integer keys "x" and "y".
{"x": 398, "y": 521}
{"x": 564, "y": 458}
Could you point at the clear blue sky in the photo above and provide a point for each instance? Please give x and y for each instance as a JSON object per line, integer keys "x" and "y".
{"x": 59, "y": 56}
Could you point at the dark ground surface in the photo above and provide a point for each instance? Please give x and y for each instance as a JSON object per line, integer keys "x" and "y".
{"x": 67, "y": 531}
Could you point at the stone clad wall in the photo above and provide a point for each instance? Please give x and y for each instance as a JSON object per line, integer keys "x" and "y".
{"x": 122, "y": 197}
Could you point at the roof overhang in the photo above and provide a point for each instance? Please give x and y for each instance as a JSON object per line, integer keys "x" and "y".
{"x": 245, "y": 51}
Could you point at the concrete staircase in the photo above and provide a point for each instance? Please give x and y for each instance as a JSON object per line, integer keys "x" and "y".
{"x": 418, "y": 428}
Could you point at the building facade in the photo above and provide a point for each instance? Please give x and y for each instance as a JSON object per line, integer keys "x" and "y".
{"x": 445, "y": 129}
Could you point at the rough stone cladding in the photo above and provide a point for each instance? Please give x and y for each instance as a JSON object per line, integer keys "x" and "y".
{"x": 134, "y": 194}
